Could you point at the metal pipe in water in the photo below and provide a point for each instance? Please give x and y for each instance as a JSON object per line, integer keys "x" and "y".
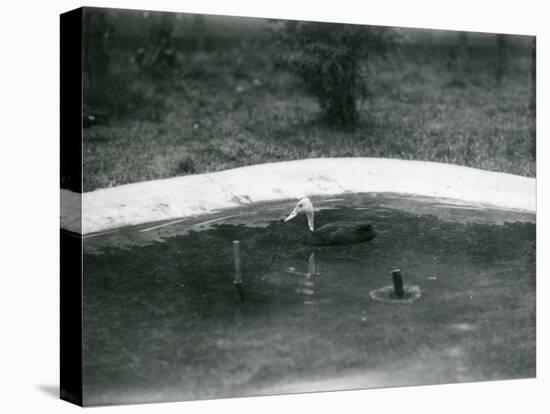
{"x": 397, "y": 283}
{"x": 237, "y": 260}
{"x": 238, "y": 281}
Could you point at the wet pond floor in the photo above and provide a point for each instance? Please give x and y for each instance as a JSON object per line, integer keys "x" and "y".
{"x": 163, "y": 319}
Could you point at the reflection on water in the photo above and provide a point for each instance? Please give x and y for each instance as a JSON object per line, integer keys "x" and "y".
{"x": 305, "y": 281}
{"x": 165, "y": 320}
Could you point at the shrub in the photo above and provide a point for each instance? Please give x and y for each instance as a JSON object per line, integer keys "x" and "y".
{"x": 331, "y": 61}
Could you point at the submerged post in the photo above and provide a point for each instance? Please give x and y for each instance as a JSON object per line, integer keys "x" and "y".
{"x": 238, "y": 281}
{"x": 397, "y": 283}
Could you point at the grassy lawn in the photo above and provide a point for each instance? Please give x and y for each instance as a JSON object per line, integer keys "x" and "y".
{"x": 232, "y": 108}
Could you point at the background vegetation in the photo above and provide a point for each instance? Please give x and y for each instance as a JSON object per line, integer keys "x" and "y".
{"x": 332, "y": 63}
{"x": 169, "y": 95}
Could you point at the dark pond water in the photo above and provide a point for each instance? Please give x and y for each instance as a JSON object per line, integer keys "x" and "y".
{"x": 163, "y": 319}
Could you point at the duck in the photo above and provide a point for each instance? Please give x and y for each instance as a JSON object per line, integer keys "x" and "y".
{"x": 332, "y": 234}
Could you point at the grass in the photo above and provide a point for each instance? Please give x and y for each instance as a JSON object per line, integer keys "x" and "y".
{"x": 232, "y": 108}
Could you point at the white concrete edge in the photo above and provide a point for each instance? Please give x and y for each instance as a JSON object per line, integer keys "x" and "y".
{"x": 191, "y": 195}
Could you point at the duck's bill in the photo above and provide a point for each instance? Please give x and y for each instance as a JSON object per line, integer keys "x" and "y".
{"x": 291, "y": 215}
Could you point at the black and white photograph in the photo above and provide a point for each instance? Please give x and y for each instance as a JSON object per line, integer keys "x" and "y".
{"x": 287, "y": 206}
{"x": 272, "y": 206}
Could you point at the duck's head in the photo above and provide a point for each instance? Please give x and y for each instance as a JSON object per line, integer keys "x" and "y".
{"x": 303, "y": 206}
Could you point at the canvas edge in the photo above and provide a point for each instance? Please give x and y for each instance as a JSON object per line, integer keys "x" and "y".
{"x": 70, "y": 339}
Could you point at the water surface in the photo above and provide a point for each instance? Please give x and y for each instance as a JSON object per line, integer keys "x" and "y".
{"x": 164, "y": 321}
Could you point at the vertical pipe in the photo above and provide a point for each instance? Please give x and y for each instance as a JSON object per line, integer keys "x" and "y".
{"x": 397, "y": 283}
{"x": 238, "y": 281}
{"x": 237, "y": 260}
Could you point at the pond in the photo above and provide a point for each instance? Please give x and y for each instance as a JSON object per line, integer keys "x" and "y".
{"x": 164, "y": 320}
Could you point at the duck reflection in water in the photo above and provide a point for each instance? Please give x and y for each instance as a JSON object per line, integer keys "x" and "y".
{"x": 306, "y": 285}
